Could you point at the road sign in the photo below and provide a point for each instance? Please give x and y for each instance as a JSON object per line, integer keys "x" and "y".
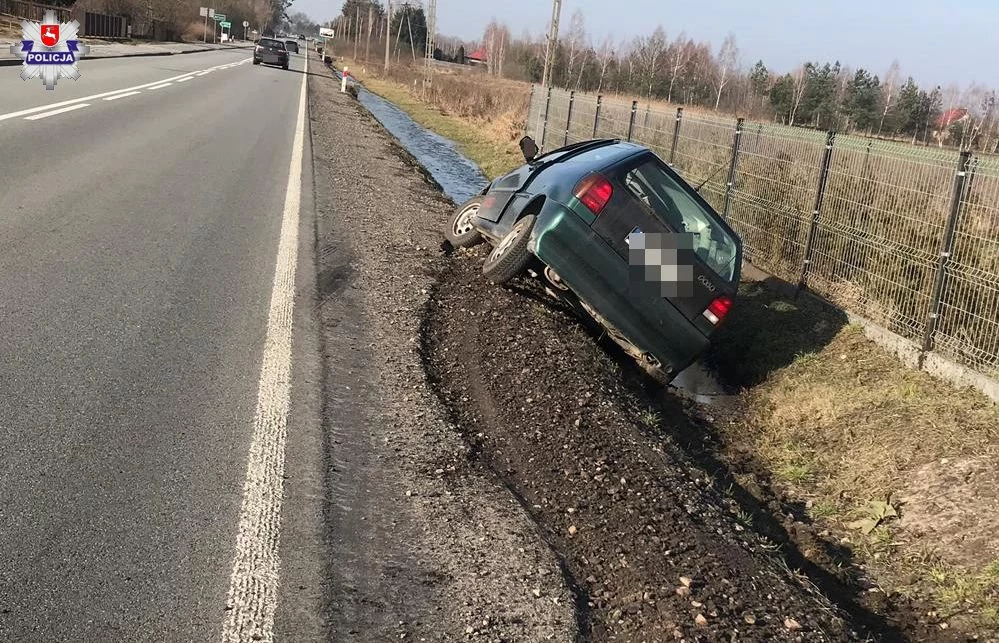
{"x": 203, "y": 12}
{"x": 226, "y": 25}
{"x": 219, "y": 17}
{"x": 326, "y": 33}
{"x": 246, "y": 23}
{"x": 211, "y": 12}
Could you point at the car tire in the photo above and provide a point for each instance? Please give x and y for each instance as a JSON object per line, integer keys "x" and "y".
{"x": 510, "y": 257}
{"x": 256, "y": 62}
{"x": 459, "y": 231}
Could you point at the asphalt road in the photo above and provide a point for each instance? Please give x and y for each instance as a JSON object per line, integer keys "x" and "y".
{"x": 139, "y": 254}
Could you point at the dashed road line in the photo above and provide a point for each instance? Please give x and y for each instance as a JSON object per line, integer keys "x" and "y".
{"x": 52, "y": 109}
{"x": 125, "y": 95}
{"x": 253, "y": 585}
{"x": 160, "y": 86}
{"x": 184, "y": 80}
{"x": 57, "y": 111}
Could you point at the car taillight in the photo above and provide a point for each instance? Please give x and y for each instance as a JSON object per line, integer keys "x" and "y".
{"x": 594, "y": 192}
{"x": 716, "y": 310}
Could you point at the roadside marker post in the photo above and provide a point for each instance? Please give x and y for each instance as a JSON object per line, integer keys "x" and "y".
{"x": 205, "y": 13}
{"x": 343, "y": 79}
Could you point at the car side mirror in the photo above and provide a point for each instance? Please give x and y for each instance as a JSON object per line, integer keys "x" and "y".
{"x": 529, "y": 148}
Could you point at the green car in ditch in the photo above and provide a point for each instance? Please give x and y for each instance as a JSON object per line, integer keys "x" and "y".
{"x": 618, "y": 234}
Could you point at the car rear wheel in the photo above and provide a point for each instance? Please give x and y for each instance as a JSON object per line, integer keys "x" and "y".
{"x": 510, "y": 257}
{"x": 460, "y": 231}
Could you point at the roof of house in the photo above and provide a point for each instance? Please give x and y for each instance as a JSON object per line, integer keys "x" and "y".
{"x": 478, "y": 54}
{"x": 951, "y": 116}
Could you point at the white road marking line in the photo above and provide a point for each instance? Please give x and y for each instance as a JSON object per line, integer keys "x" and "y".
{"x": 161, "y": 86}
{"x": 204, "y": 73}
{"x": 125, "y": 95}
{"x": 253, "y": 586}
{"x": 184, "y": 80}
{"x": 57, "y": 111}
{"x": 75, "y": 101}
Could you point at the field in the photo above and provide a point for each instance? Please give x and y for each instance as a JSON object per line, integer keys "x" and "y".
{"x": 885, "y": 473}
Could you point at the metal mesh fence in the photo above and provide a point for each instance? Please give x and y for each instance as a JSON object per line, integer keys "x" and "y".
{"x": 874, "y": 245}
{"x": 880, "y": 229}
{"x": 775, "y": 191}
{"x": 968, "y": 328}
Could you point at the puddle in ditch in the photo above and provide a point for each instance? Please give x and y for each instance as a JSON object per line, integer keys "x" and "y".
{"x": 462, "y": 179}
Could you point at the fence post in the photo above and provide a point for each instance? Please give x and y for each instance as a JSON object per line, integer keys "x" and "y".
{"x": 648, "y": 112}
{"x": 676, "y": 135}
{"x": 631, "y": 122}
{"x": 568, "y": 118}
{"x": 813, "y": 228}
{"x": 596, "y": 119}
{"x": 544, "y": 124}
{"x": 730, "y": 186}
{"x": 946, "y": 247}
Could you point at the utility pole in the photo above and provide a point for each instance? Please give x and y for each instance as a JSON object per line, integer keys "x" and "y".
{"x": 388, "y": 32}
{"x": 431, "y": 37}
{"x": 552, "y": 41}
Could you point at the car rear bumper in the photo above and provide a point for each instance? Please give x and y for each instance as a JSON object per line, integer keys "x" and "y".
{"x": 598, "y": 276}
{"x": 271, "y": 59}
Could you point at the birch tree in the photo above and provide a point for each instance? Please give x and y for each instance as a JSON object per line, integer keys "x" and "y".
{"x": 604, "y": 56}
{"x": 799, "y": 86}
{"x": 650, "y": 52}
{"x": 889, "y": 87}
{"x": 728, "y": 57}
{"x": 677, "y": 58}
{"x": 575, "y": 40}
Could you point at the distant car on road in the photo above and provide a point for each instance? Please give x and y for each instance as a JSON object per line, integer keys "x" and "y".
{"x": 618, "y": 235}
{"x": 292, "y": 45}
{"x": 271, "y": 51}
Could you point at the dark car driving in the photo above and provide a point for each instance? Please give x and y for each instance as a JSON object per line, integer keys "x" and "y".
{"x": 617, "y": 233}
{"x": 292, "y": 45}
{"x": 271, "y": 51}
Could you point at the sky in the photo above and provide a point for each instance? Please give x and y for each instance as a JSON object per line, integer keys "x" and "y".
{"x": 937, "y": 42}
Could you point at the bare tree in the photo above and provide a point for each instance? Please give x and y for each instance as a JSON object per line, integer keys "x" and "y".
{"x": 575, "y": 39}
{"x": 677, "y": 57}
{"x": 891, "y": 81}
{"x": 728, "y": 57}
{"x": 604, "y": 56}
{"x": 650, "y": 52}
{"x": 799, "y": 84}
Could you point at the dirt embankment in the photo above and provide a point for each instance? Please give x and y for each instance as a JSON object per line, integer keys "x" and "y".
{"x": 425, "y": 545}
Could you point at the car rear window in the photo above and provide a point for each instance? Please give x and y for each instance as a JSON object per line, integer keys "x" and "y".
{"x": 669, "y": 201}
{"x": 264, "y": 42}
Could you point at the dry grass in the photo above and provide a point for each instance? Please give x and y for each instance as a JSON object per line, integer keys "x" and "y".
{"x": 835, "y": 420}
{"x": 848, "y": 429}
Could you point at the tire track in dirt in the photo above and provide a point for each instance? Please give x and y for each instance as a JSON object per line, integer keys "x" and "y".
{"x": 643, "y": 533}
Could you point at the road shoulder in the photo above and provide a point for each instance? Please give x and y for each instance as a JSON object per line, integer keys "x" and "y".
{"x": 424, "y": 542}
